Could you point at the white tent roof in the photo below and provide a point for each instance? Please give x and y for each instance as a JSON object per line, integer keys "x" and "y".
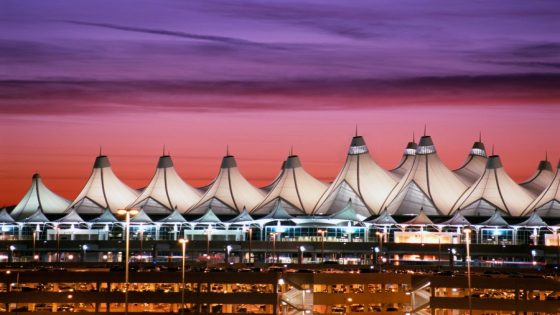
{"x": 541, "y": 178}
{"x": 243, "y": 218}
{"x": 420, "y": 219}
{"x": 166, "y": 191}
{"x": 106, "y": 217}
{"x": 38, "y": 196}
{"x": 174, "y": 217}
{"x": 384, "y": 218}
{"x": 533, "y": 221}
{"x": 495, "y": 189}
{"x": 296, "y": 189}
{"x": 208, "y": 217}
{"x": 406, "y": 161}
{"x": 5, "y": 217}
{"x": 229, "y": 193}
{"x": 457, "y": 219}
{"x": 348, "y": 213}
{"x": 71, "y": 217}
{"x": 37, "y": 217}
{"x": 141, "y": 217}
{"x": 361, "y": 180}
{"x": 547, "y": 204}
{"x": 428, "y": 184}
{"x": 495, "y": 220}
{"x": 474, "y": 165}
{"x": 275, "y": 180}
{"x": 278, "y": 213}
{"x": 103, "y": 190}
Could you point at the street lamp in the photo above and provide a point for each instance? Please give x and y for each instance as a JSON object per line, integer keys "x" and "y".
{"x": 273, "y": 236}
{"x": 228, "y": 251}
{"x": 467, "y": 232}
{"x": 12, "y": 249}
{"x": 380, "y": 238}
{"x": 322, "y": 232}
{"x": 301, "y": 251}
{"x": 208, "y": 236}
{"x": 127, "y": 213}
{"x": 34, "y": 237}
{"x": 376, "y": 251}
{"x": 250, "y": 230}
{"x": 184, "y": 243}
{"x": 84, "y": 248}
{"x": 534, "y": 255}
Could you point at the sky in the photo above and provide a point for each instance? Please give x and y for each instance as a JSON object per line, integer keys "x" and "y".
{"x": 131, "y": 77}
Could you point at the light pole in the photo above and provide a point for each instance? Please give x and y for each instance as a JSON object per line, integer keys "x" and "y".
{"x": 12, "y": 249}
{"x": 376, "y": 251}
{"x": 322, "y": 232}
{"x": 301, "y": 251}
{"x": 34, "y": 236}
{"x": 127, "y": 213}
{"x": 467, "y": 232}
{"x": 534, "y": 255}
{"x": 228, "y": 251}
{"x": 208, "y": 235}
{"x": 84, "y": 248}
{"x": 250, "y": 245}
{"x": 273, "y": 235}
{"x": 380, "y": 238}
{"x": 184, "y": 243}
{"x": 57, "y": 243}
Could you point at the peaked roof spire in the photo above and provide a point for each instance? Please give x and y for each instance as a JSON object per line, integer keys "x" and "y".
{"x": 493, "y": 149}
{"x": 227, "y": 149}
{"x": 100, "y": 150}
{"x": 413, "y": 137}
{"x": 291, "y": 150}
{"x": 163, "y": 151}
{"x": 356, "y": 134}
{"x": 425, "y": 128}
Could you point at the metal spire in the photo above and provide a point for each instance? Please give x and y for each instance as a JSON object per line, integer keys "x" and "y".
{"x": 356, "y": 131}
{"x": 291, "y": 150}
{"x": 480, "y": 136}
{"x": 425, "y": 129}
{"x": 163, "y": 153}
{"x": 227, "y": 149}
{"x": 100, "y": 150}
{"x": 413, "y": 137}
{"x": 492, "y": 149}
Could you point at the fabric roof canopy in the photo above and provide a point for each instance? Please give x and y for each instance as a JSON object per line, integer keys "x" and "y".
{"x": 243, "y": 218}
{"x": 474, "y": 166}
{"x": 229, "y": 193}
{"x": 533, "y": 221}
{"x": 5, "y": 217}
{"x": 174, "y": 217}
{"x": 38, "y": 196}
{"x": 457, "y": 219}
{"x": 495, "y": 220}
{"x": 428, "y": 184}
{"x": 106, "y": 217}
{"x": 166, "y": 191}
{"x": 71, "y": 217}
{"x": 141, "y": 217}
{"x": 37, "y": 217}
{"x": 103, "y": 190}
{"x": 208, "y": 217}
{"x": 296, "y": 189}
{"x": 547, "y": 204}
{"x": 495, "y": 189}
{"x": 347, "y": 214}
{"x": 542, "y": 177}
{"x": 361, "y": 180}
{"x": 420, "y": 219}
{"x": 278, "y": 213}
{"x": 383, "y": 219}
{"x": 406, "y": 161}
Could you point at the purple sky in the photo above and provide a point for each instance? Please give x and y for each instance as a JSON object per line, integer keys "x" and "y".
{"x": 264, "y": 75}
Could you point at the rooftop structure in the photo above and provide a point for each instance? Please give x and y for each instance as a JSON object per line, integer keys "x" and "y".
{"x": 547, "y": 204}
{"x": 361, "y": 180}
{"x": 229, "y": 192}
{"x": 474, "y": 165}
{"x": 38, "y": 196}
{"x": 540, "y": 179}
{"x": 166, "y": 191}
{"x": 103, "y": 190}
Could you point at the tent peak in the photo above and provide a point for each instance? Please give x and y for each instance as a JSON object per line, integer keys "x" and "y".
{"x": 425, "y": 145}
{"x": 165, "y": 162}
{"x": 36, "y": 176}
{"x": 493, "y": 162}
{"x": 228, "y": 162}
{"x": 292, "y": 162}
{"x": 544, "y": 165}
{"x": 101, "y": 161}
{"x": 358, "y": 146}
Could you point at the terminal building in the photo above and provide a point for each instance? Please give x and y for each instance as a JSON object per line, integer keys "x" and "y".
{"x": 420, "y": 213}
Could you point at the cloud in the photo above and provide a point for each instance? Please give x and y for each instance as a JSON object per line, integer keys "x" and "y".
{"x": 31, "y": 98}
{"x": 175, "y": 34}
